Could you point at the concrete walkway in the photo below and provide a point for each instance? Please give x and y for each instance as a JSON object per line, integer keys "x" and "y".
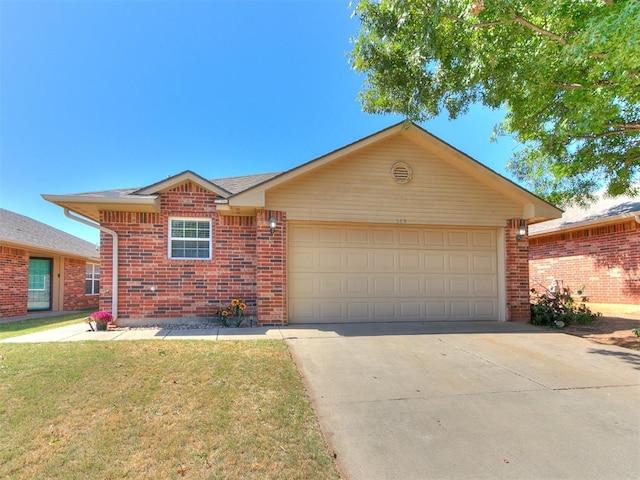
{"x": 81, "y": 332}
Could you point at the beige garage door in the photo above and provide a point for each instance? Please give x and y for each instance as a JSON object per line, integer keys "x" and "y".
{"x": 350, "y": 273}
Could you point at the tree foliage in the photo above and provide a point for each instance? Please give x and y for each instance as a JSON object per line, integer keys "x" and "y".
{"x": 568, "y": 72}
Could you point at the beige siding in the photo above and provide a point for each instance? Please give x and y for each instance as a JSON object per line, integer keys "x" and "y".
{"x": 359, "y": 188}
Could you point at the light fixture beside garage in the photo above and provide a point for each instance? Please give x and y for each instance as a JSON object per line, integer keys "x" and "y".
{"x": 401, "y": 172}
{"x": 272, "y": 225}
{"x": 522, "y": 230}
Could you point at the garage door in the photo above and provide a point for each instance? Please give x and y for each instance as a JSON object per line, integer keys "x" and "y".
{"x": 349, "y": 273}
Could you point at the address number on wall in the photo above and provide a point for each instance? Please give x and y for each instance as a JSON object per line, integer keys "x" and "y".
{"x": 401, "y": 221}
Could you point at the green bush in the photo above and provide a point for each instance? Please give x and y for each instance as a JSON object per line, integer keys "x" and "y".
{"x": 556, "y": 307}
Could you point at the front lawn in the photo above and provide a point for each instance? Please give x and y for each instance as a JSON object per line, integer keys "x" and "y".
{"x": 149, "y": 409}
{"x": 32, "y": 325}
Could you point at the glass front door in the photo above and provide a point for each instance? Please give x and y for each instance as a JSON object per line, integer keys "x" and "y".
{"x": 39, "y": 284}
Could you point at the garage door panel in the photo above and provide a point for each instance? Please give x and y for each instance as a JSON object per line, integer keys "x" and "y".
{"x": 357, "y": 261}
{"x": 459, "y": 262}
{"x": 483, "y": 286}
{"x": 384, "y": 236}
{"x": 359, "y": 310}
{"x": 436, "y": 309}
{"x": 357, "y": 273}
{"x": 459, "y": 286}
{"x": 483, "y": 263}
{"x": 331, "y": 311}
{"x": 384, "y": 261}
{"x": 483, "y": 239}
{"x": 329, "y": 286}
{"x": 358, "y": 285}
{"x": 384, "y": 285}
{"x": 435, "y": 262}
{"x": 411, "y": 261}
{"x": 410, "y": 286}
{"x": 384, "y": 310}
{"x": 330, "y": 261}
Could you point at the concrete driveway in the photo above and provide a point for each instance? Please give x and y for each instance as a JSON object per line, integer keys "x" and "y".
{"x": 471, "y": 400}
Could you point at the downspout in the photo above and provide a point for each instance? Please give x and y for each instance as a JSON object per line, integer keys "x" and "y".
{"x": 114, "y": 269}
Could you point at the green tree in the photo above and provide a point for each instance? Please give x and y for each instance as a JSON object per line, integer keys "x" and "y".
{"x": 568, "y": 72}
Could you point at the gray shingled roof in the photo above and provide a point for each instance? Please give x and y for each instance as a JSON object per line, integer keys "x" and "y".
{"x": 21, "y": 230}
{"x": 603, "y": 209}
{"x": 231, "y": 184}
{"x": 240, "y": 184}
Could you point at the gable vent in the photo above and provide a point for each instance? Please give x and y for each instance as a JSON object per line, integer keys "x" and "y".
{"x": 401, "y": 172}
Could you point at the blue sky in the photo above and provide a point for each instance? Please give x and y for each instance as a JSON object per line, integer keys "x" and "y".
{"x": 110, "y": 94}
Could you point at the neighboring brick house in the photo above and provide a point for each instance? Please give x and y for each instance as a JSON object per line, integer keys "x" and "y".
{"x": 44, "y": 269}
{"x": 398, "y": 226}
{"x": 597, "y": 247}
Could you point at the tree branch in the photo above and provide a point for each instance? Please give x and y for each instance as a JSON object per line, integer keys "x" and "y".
{"x": 541, "y": 31}
{"x": 575, "y": 86}
{"x": 621, "y": 129}
{"x": 515, "y": 18}
{"x": 471, "y": 24}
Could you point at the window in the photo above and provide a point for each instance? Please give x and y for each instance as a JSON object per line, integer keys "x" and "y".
{"x": 189, "y": 238}
{"x": 92, "y": 279}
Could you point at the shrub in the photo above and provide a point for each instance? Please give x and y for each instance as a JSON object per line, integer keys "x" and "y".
{"x": 556, "y": 307}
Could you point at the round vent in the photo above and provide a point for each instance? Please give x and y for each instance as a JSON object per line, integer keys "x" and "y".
{"x": 401, "y": 172}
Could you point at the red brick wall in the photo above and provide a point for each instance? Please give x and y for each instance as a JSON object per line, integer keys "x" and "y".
{"x": 74, "y": 296}
{"x": 14, "y": 281}
{"x": 271, "y": 277}
{"x": 605, "y": 260}
{"x": 153, "y": 286}
{"x": 517, "y": 274}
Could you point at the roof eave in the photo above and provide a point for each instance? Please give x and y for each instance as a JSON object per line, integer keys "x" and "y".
{"x": 90, "y": 207}
{"x": 39, "y": 248}
{"x": 587, "y": 224}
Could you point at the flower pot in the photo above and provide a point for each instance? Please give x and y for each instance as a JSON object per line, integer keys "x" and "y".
{"x": 100, "y": 326}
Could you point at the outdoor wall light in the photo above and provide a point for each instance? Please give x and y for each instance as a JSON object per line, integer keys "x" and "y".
{"x": 272, "y": 225}
{"x": 522, "y": 230}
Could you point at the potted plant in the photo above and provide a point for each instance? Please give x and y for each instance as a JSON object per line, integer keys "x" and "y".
{"x": 101, "y": 318}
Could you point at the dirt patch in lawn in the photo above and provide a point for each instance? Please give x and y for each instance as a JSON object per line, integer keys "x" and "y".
{"x": 609, "y": 330}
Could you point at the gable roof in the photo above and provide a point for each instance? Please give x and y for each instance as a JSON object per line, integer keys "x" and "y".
{"x": 535, "y": 208}
{"x": 20, "y": 231}
{"x": 147, "y": 199}
{"x": 603, "y": 210}
{"x": 240, "y": 195}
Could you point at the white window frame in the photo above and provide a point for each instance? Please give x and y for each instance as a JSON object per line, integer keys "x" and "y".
{"x": 92, "y": 278}
{"x": 171, "y": 238}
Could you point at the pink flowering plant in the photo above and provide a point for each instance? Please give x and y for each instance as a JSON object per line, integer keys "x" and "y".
{"x": 101, "y": 317}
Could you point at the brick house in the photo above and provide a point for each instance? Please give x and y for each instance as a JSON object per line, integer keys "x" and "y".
{"x": 597, "y": 247}
{"x": 396, "y": 226}
{"x": 44, "y": 269}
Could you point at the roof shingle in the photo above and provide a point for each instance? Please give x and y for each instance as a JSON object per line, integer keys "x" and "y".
{"x": 21, "y": 230}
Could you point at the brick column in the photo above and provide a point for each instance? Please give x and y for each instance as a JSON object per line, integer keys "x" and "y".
{"x": 271, "y": 268}
{"x": 517, "y": 273}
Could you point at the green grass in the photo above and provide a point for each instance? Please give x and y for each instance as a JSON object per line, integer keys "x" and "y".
{"x": 32, "y": 325}
{"x": 149, "y": 409}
